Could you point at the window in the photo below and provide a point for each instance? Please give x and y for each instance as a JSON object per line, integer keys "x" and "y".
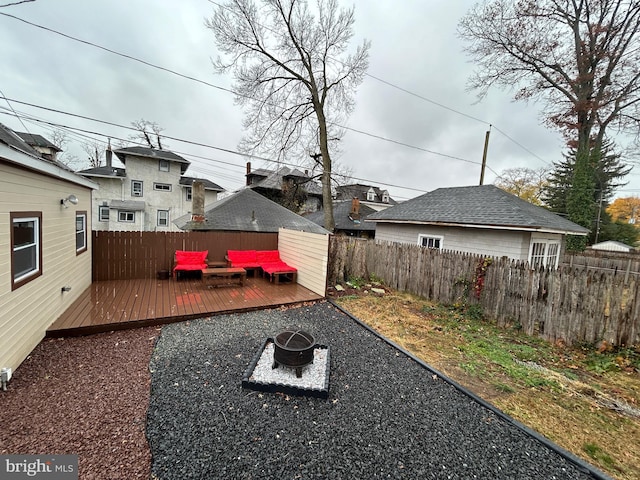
{"x": 103, "y": 213}
{"x": 26, "y": 244}
{"x": 385, "y": 197}
{"x": 371, "y": 195}
{"x": 544, "y": 253}
{"x": 163, "y": 187}
{"x": 163, "y": 218}
{"x": 81, "y": 232}
{"x": 188, "y": 193}
{"x": 136, "y": 188}
{"x": 430, "y": 241}
{"x": 126, "y": 216}
{"x": 163, "y": 165}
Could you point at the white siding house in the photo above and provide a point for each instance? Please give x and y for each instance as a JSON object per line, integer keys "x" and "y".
{"x": 483, "y": 220}
{"x": 148, "y": 194}
{"x": 45, "y": 246}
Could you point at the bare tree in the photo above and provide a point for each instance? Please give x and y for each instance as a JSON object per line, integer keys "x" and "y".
{"x": 526, "y": 183}
{"x": 60, "y": 139}
{"x": 95, "y": 152}
{"x": 148, "y": 133}
{"x": 293, "y": 76}
{"x": 578, "y": 57}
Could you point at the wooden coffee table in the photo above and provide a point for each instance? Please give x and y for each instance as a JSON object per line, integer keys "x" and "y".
{"x": 215, "y": 277}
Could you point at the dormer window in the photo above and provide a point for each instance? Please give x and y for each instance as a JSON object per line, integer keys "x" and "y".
{"x": 371, "y": 195}
{"x": 163, "y": 165}
{"x": 385, "y": 197}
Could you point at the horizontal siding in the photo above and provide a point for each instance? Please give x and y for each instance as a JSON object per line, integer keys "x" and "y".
{"x": 27, "y": 312}
{"x": 497, "y": 243}
{"x": 309, "y": 253}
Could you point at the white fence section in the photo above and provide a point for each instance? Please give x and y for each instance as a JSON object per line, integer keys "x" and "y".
{"x": 309, "y": 253}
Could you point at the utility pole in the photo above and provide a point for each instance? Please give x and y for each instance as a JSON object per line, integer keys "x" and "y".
{"x": 484, "y": 155}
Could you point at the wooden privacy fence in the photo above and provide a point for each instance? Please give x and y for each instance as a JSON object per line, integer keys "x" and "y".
{"x": 128, "y": 255}
{"x": 617, "y": 262}
{"x": 571, "y": 304}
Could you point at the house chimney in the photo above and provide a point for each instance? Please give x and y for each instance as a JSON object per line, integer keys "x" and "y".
{"x": 355, "y": 209}
{"x": 109, "y": 153}
{"x": 248, "y": 182}
{"x": 197, "y": 202}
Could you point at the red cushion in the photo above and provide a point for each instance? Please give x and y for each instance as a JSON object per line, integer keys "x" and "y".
{"x": 268, "y": 256}
{"x": 191, "y": 260}
{"x": 278, "y": 267}
{"x": 241, "y": 256}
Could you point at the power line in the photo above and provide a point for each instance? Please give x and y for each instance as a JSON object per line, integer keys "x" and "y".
{"x": 188, "y": 77}
{"x": 178, "y": 140}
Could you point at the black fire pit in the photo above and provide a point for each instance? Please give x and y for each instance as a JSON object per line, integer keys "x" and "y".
{"x": 293, "y": 348}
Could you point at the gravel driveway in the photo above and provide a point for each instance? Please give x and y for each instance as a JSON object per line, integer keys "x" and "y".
{"x": 387, "y": 416}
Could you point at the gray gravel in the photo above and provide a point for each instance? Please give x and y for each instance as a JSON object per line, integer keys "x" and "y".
{"x": 387, "y": 416}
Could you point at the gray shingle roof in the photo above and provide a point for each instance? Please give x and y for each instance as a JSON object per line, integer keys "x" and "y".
{"x": 358, "y": 190}
{"x": 248, "y": 211}
{"x": 36, "y": 140}
{"x": 9, "y": 137}
{"x": 208, "y": 184}
{"x": 103, "y": 172}
{"x": 341, "y": 211}
{"x": 149, "y": 153}
{"x": 484, "y": 205}
{"x": 273, "y": 180}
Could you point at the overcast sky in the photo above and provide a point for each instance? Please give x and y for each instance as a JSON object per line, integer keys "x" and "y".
{"x": 414, "y": 95}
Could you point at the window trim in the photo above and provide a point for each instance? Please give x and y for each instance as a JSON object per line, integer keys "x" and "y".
{"x": 101, "y": 209}
{"x": 159, "y": 187}
{"x": 36, "y": 272}
{"x": 188, "y": 194}
{"x": 158, "y": 218}
{"x": 81, "y": 214}
{"x": 440, "y": 239}
{"x": 133, "y": 190}
{"x": 547, "y": 242}
{"x": 371, "y": 195}
{"x": 162, "y": 162}
{"x": 132, "y": 212}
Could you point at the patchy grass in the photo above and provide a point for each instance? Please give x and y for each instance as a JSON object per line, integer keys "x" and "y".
{"x": 583, "y": 399}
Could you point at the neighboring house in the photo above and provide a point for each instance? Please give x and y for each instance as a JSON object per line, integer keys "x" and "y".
{"x": 349, "y": 218}
{"x": 368, "y": 195}
{"x": 248, "y": 211}
{"x": 47, "y": 149}
{"x": 45, "y": 249}
{"x": 148, "y": 194}
{"x": 483, "y": 220}
{"x": 289, "y": 187}
{"x": 613, "y": 246}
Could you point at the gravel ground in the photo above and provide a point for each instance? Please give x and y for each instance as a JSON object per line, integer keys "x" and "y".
{"x": 386, "y": 416}
{"x": 86, "y": 396}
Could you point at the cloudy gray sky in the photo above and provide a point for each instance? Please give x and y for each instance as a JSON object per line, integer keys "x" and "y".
{"x": 414, "y": 95}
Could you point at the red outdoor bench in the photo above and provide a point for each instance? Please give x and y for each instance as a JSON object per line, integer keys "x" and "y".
{"x": 187, "y": 260}
{"x": 268, "y": 261}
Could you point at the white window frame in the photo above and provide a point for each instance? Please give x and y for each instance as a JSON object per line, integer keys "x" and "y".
{"x": 35, "y": 270}
{"x": 101, "y": 213}
{"x": 188, "y": 193}
{"x": 385, "y": 197}
{"x": 371, "y": 195}
{"x": 164, "y": 165}
{"x": 126, "y": 215}
{"x": 434, "y": 238}
{"x": 162, "y": 187}
{"x": 137, "y": 192}
{"x": 81, "y": 232}
{"x": 544, "y": 252}
{"x": 160, "y": 219}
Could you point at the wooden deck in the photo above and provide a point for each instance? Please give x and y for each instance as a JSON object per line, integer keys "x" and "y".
{"x": 121, "y": 304}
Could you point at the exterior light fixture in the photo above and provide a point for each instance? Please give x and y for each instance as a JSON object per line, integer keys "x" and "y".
{"x": 70, "y": 199}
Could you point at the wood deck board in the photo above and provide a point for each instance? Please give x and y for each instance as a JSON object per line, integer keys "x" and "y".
{"x": 118, "y": 304}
